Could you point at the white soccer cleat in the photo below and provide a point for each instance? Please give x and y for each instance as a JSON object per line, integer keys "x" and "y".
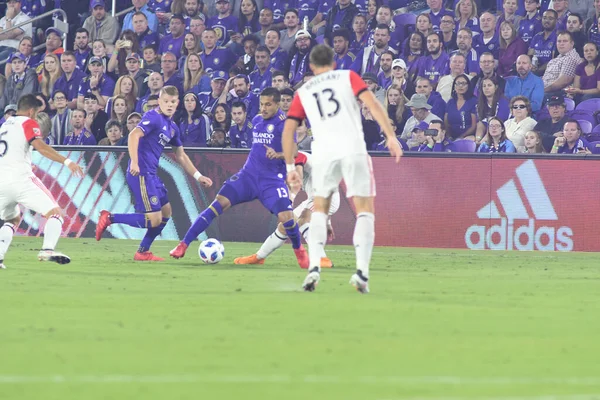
{"x": 312, "y": 280}
{"x": 53, "y": 256}
{"x": 360, "y": 282}
{"x": 2, "y": 266}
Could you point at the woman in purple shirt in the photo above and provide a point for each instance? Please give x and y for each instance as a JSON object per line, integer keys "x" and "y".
{"x": 511, "y": 47}
{"x": 466, "y": 16}
{"x": 461, "y": 110}
{"x": 490, "y": 103}
{"x": 248, "y": 22}
{"x": 413, "y": 51}
{"x": 587, "y": 76}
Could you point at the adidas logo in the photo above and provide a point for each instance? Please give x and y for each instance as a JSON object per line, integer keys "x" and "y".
{"x": 530, "y": 233}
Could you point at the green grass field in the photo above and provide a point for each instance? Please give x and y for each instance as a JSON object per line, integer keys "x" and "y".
{"x": 439, "y": 324}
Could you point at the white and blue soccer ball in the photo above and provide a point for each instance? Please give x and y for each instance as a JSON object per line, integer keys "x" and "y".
{"x": 211, "y": 251}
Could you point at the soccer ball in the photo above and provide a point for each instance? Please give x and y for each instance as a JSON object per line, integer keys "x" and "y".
{"x": 211, "y": 251}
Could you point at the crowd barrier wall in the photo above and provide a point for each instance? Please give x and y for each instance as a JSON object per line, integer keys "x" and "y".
{"x": 473, "y": 201}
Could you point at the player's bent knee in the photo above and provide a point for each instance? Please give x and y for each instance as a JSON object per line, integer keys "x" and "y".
{"x": 16, "y": 221}
{"x": 155, "y": 219}
{"x": 166, "y": 211}
{"x": 281, "y": 228}
{"x": 54, "y": 212}
{"x": 304, "y": 217}
{"x": 285, "y": 216}
{"x": 224, "y": 202}
{"x": 364, "y": 204}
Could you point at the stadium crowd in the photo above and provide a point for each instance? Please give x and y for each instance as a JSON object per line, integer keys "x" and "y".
{"x": 463, "y": 75}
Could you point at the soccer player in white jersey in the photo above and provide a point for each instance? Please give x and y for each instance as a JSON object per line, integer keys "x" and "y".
{"x": 302, "y": 213}
{"x": 329, "y": 101}
{"x": 18, "y": 136}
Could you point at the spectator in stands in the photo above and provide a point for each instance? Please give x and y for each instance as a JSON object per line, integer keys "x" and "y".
{"x": 50, "y": 74}
{"x": 343, "y": 57}
{"x": 144, "y": 35}
{"x": 197, "y": 27}
{"x": 99, "y": 51}
{"x": 521, "y": 123}
{"x": 526, "y": 84}
{"x": 287, "y": 96}
{"x": 384, "y": 78}
{"x": 437, "y": 12}
{"x": 225, "y": 24}
{"x": 439, "y": 142}
{"x": 414, "y": 51}
{"x": 488, "y": 41}
{"x": 221, "y": 118}
{"x": 586, "y": 84}
{"x": 191, "y": 9}
{"x": 591, "y": 25}
{"x": 461, "y": 110}
{"x": 210, "y": 99}
{"x": 457, "y": 67}
{"x": 495, "y": 140}
{"x": 9, "y": 41}
{"x": 418, "y": 136}
{"x": 373, "y": 85}
{"x": 98, "y": 83}
{"x": 434, "y": 99}
{"x": 61, "y": 122}
{"x": 141, "y": 6}
{"x": 151, "y": 59}
{"x": 279, "y": 57}
{"x": 287, "y": 36}
{"x": 486, "y": 66}
{"x": 45, "y": 107}
{"x": 53, "y": 46}
{"x": 575, "y": 27}
{"x": 560, "y": 71}
{"x": 509, "y": 15}
{"x": 241, "y": 86}
{"x": 101, "y": 25}
{"x": 341, "y": 16}
{"x": 449, "y": 37}
{"x": 152, "y": 103}
{"x": 215, "y": 58}
{"x": 194, "y": 125}
{"x": 511, "y": 47}
{"x": 561, "y": 8}
{"x": 279, "y": 80}
{"x": 543, "y": 45}
{"x": 82, "y": 48}
{"x": 132, "y": 121}
{"x": 191, "y": 45}
{"x": 247, "y": 63}
{"x": 248, "y": 20}
{"x": 9, "y": 111}
{"x": 140, "y": 76}
{"x": 114, "y": 134}
{"x": 168, "y": 62}
{"x": 95, "y": 117}
{"x": 466, "y": 16}
{"x": 399, "y": 77}
{"x": 68, "y": 82}
{"x": 371, "y": 14}
{"x": 25, "y": 48}
{"x": 395, "y": 104}
{"x": 359, "y": 36}
{"x": 368, "y": 59}
{"x": 531, "y": 24}
{"x": 570, "y": 141}
{"x": 434, "y": 65}
{"x": 533, "y": 143}
{"x": 80, "y": 134}
{"x": 299, "y": 57}
{"x": 155, "y": 83}
{"x": 240, "y": 133}
{"x": 303, "y": 137}
{"x": 120, "y": 109}
{"x": 265, "y": 21}
{"x": 491, "y": 101}
{"x": 551, "y": 128}
{"x": 261, "y": 77}
{"x": 173, "y": 42}
{"x": 420, "y": 112}
{"x": 218, "y": 138}
{"x": 126, "y": 45}
{"x": 423, "y": 24}
{"x": 21, "y": 81}
{"x": 464, "y": 40}
{"x": 194, "y": 76}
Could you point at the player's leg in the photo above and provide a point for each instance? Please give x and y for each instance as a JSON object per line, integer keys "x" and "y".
{"x": 360, "y": 183}
{"x": 11, "y": 215}
{"x": 304, "y": 224}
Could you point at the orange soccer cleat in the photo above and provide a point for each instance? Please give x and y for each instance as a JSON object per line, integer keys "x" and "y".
{"x": 146, "y": 256}
{"x": 302, "y": 257}
{"x": 103, "y": 223}
{"x": 253, "y": 259}
{"x": 326, "y": 263}
{"x": 179, "y": 251}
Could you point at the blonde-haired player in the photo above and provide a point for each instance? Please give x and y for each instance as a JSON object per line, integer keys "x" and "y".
{"x": 329, "y": 102}
{"x": 18, "y": 136}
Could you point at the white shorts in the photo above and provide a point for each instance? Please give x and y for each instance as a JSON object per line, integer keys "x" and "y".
{"x": 308, "y": 205}
{"x": 355, "y": 169}
{"x": 29, "y": 192}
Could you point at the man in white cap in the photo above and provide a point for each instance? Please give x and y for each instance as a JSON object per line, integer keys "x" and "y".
{"x": 300, "y": 54}
{"x": 420, "y": 110}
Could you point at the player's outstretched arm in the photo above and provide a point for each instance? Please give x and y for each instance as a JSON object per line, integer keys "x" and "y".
{"x": 133, "y": 143}
{"x": 53, "y": 155}
{"x": 189, "y": 167}
{"x": 383, "y": 120}
{"x": 289, "y": 154}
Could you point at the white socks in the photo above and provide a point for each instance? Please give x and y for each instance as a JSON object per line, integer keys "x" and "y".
{"x": 6, "y": 234}
{"x": 272, "y": 243}
{"x": 305, "y": 231}
{"x": 363, "y": 239}
{"x": 52, "y": 232}
{"x": 317, "y": 239}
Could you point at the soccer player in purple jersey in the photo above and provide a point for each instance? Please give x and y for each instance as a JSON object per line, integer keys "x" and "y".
{"x": 146, "y": 143}
{"x": 262, "y": 177}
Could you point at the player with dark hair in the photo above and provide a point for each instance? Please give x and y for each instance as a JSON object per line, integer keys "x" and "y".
{"x": 262, "y": 177}
{"x": 146, "y": 143}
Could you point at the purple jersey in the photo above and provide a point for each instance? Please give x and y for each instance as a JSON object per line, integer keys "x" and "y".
{"x": 543, "y": 49}
{"x": 308, "y": 8}
{"x": 196, "y": 133}
{"x": 434, "y": 69}
{"x": 472, "y": 62}
{"x": 85, "y": 138}
{"x": 266, "y": 133}
{"x": 472, "y": 24}
{"x": 491, "y": 45}
{"x": 362, "y": 6}
{"x": 344, "y": 62}
{"x": 561, "y": 22}
{"x": 159, "y": 131}
{"x": 259, "y": 82}
{"x": 148, "y": 38}
{"x": 251, "y": 101}
{"x": 594, "y": 34}
{"x": 223, "y": 27}
{"x": 172, "y": 45}
{"x": 105, "y": 84}
{"x": 220, "y": 58}
{"x": 528, "y": 28}
{"x": 278, "y": 7}
{"x": 160, "y": 6}
{"x": 279, "y": 59}
{"x": 81, "y": 59}
{"x": 241, "y": 138}
{"x": 436, "y": 19}
{"x": 70, "y": 86}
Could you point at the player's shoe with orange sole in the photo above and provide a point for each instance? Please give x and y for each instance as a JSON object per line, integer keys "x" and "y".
{"x": 179, "y": 251}
{"x": 326, "y": 263}
{"x": 253, "y": 259}
{"x": 146, "y": 256}
{"x": 103, "y": 223}
{"x": 302, "y": 257}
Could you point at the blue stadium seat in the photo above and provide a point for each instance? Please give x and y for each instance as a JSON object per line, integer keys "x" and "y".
{"x": 595, "y": 147}
{"x": 586, "y": 126}
{"x": 463, "y": 146}
{"x": 592, "y": 105}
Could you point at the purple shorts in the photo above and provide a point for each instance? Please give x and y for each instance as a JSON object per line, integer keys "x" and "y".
{"x": 149, "y": 192}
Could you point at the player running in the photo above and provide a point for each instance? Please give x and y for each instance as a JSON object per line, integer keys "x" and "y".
{"x": 302, "y": 214}
{"x": 146, "y": 143}
{"x": 18, "y": 136}
{"x": 261, "y": 177}
{"x": 339, "y": 151}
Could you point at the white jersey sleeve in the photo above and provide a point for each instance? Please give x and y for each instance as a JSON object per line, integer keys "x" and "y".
{"x": 16, "y": 135}
{"x": 329, "y": 102}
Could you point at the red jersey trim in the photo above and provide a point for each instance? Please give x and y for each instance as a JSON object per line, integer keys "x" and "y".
{"x": 296, "y": 110}
{"x": 32, "y": 130}
{"x": 358, "y": 85}
{"x": 301, "y": 159}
